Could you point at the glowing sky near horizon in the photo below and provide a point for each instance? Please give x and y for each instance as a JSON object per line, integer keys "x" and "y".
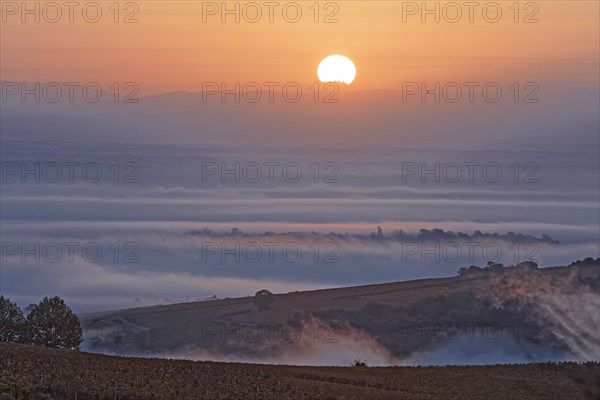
{"x": 171, "y": 48}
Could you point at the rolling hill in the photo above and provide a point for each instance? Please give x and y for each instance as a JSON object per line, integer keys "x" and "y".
{"x": 483, "y": 316}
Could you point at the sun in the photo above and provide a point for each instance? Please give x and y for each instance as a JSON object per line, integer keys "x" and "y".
{"x": 336, "y": 68}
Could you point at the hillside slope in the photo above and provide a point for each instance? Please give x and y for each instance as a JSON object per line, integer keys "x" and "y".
{"x": 518, "y": 314}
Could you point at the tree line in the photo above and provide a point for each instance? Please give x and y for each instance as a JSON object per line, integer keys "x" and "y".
{"x": 50, "y": 323}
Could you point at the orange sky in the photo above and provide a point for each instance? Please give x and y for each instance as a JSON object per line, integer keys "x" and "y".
{"x": 172, "y": 49}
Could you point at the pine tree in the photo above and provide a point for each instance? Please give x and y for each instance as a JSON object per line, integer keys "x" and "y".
{"x": 51, "y": 323}
{"x": 12, "y": 321}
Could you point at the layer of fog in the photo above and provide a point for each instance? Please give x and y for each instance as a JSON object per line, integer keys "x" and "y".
{"x": 167, "y": 268}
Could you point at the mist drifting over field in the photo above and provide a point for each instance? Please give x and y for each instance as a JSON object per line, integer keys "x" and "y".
{"x": 157, "y": 221}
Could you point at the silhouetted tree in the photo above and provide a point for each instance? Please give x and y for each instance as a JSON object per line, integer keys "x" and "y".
{"x": 12, "y": 321}
{"x": 378, "y": 234}
{"x": 359, "y": 362}
{"x": 51, "y": 323}
{"x": 263, "y": 299}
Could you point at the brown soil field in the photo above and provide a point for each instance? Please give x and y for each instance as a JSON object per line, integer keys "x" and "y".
{"x": 65, "y": 374}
